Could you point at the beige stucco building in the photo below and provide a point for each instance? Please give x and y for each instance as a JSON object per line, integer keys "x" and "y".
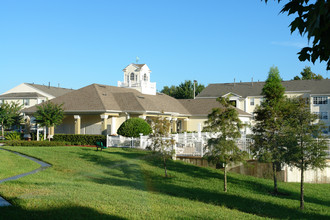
{"x": 247, "y": 95}
{"x": 29, "y": 94}
{"x": 101, "y": 109}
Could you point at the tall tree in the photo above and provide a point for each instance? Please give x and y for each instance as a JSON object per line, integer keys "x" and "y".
{"x": 307, "y": 74}
{"x": 267, "y": 136}
{"x": 313, "y": 19}
{"x": 184, "y": 91}
{"x": 49, "y": 114}
{"x": 223, "y": 149}
{"x": 161, "y": 141}
{"x": 306, "y": 146}
{"x": 9, "y": 115}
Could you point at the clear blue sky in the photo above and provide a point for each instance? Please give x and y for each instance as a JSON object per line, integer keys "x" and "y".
{"x": 75, "y": 43}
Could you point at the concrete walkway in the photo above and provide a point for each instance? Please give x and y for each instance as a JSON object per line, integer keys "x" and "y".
{"x": 42, "y": 164}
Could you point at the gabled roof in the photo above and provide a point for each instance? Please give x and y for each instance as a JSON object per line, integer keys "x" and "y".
{"x": 254, "y": 88}
{"x": 102, "y": 98}
{"x": 54, "y": 91}
{"x": 203, "y": 107}
{"x": 21, "y": 95}
{"x": 138, "y": 66}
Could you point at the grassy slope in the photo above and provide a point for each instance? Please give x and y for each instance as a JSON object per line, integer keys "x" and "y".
{"x": 12, "y": 165}
{"x": 126, "y": 183}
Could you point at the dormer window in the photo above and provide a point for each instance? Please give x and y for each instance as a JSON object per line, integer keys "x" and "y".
{"x": 132, "y": 77}
{"x": 145, "y": 77}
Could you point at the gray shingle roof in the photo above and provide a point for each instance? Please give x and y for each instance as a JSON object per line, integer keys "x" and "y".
{"x": 21, "y": 95}
{"x": 254, "y": 89}
{"x": 101, "y": 98}
{"x": 54, "y": 91}
{"x": 203, "y": 107}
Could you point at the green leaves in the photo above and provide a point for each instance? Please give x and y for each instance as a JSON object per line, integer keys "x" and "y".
{"x": 184, "y": 91}
{"x": 133, "y": 127}
{"x": 312, "y": 19}
{"x": 49, "y": 114}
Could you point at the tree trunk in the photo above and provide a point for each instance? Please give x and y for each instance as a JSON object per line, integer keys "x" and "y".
{"x": 48, "y": 133}
{"x": 275, "y": 178}
{"x": 225, "y": 179}
{"x": 302, "y": 205}
{"x": 165, "y": 167}
{"x": 3, "y": 131}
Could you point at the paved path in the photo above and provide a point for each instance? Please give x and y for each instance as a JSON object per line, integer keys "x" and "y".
{"x": 42, "y": 164}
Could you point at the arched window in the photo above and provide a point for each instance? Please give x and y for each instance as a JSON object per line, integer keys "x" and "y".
{"x": 132, "y": 77}
{"x": 145, "y": 78}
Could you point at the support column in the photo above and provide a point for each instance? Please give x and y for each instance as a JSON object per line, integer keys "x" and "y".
{"x": 174, "y": 126}
{"x": 104, "y": 124}
{"x": 168, "y": 119}
{"x": 77, "y": 124}
{"x": 52, "y": 131}
{"x": 113, "y": 125}
{"x": 185, "y": 124}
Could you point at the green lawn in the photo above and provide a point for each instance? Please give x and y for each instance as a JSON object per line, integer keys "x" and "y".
{"x": 129, "y": 184}
{"x": 12, "y": 165}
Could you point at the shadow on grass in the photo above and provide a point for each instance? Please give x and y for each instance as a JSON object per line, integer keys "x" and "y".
{"x": 132, "y": 176}
{"x": 55, "y": 213}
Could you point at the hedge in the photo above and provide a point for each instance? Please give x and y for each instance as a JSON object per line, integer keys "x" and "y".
{"x": 133, "y": 127}
{"x": 80, "y": 139}
{"x": 36, "y": 143}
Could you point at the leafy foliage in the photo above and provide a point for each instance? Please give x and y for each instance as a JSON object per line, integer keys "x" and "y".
{"x": 268, "y": 146}
{"x": 307, "y": 74}
{"x": 313, "y": 19}
{"x": 306, "y": 146}
{"x": 49, "y": 114}
{"x": 9, "y": 115}
{"x": 13, "y": 136}
{"x": 184, "y": 91}
{"x": 223, "y": 149}
{"x": 161, "y": 141}
{"x": 133, "y": 127}
{"x": 79, "y": 139}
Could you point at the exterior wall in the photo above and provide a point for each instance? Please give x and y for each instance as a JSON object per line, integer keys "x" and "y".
{"x": 119, "y": 121}
{"x": 310, "y": 176}
{"x": 67, "y": 126}
{"x": 325, "y": 108}
{"x": 32, "y": 101}
{"x": 194, "y": 122}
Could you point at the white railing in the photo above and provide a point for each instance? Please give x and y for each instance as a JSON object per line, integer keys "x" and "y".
{"x": 186, "y": 144}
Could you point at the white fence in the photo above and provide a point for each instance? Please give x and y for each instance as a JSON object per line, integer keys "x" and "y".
{"x": 186, "y": 144}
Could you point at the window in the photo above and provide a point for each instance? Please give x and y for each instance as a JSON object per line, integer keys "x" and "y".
{"x": 132, "y": 77}
{"x": 262, "y": 100}
{"x": 145, "y": 78}
{"x": 1, "y": 101}
{"x": 322, "y": 115}
{"x": 320, "y": 100}
{"x": 26, "y": 102}
{"x": 251, "y": 101}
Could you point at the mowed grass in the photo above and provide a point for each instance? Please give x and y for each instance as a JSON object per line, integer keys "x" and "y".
{"x": 12, "y": 165}
{"x": 129, "y": 184}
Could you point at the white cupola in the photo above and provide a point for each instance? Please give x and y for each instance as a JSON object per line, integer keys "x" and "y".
{"x": 137, "y": 76}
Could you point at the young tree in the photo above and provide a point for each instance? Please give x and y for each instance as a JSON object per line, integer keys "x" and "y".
{"x": 268, "y": 146}
{"x": 184, "y": 91}
{"x": 306, "y": 146}
{"x": 161, "y": 141}
{"x": 49, "y": 114}
{"x": 312, "y": 18}
{"x": 9, "y": 115}
{"x": 223, "y": 149}
{"x": 307, "y": 74}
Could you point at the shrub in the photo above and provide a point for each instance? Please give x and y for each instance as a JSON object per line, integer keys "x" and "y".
{"x": 13, "y": 136}
{"x": 36, "y": 143}
{"x": 133, "y": 127}
{"x": 80, "y": 139}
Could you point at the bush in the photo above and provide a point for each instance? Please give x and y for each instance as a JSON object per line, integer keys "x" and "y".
{"x": 13, "y": 136}
{"x": 133, "y": 127}
{"x": 37, "y": 143}
{"x": 80, "y": 139}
